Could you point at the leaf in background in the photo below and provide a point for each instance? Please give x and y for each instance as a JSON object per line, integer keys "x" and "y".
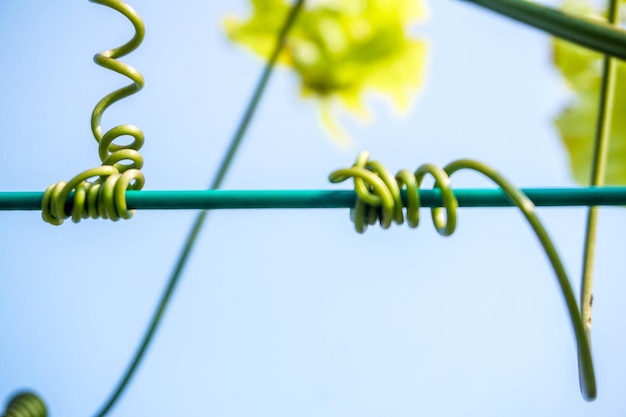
{"x": 341, "y": 49}
{"x": 582, "y": 70}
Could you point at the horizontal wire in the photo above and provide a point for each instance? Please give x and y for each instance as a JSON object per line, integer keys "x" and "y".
{"x": 292, "y": 199}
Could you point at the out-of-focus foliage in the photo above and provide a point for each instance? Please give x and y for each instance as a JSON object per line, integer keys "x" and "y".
{"x": 341, "y": 49}
{"x": 582, "y": 70}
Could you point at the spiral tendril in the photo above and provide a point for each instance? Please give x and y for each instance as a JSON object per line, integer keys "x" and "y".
{"x": 25, "y": 404}
{"x": 105, "y": 197}
{"x": 379, "y": 199}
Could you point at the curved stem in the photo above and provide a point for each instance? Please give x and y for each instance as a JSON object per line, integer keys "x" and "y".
{"x": 585, "y": 364}
{"x": 197, "y": 225}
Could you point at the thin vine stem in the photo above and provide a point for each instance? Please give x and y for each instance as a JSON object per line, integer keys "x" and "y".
{"x": 201, "y": 217}
{"x": 598, "y": 169}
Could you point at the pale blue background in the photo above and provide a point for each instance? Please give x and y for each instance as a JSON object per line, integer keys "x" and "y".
{"x": 290, "y": 312}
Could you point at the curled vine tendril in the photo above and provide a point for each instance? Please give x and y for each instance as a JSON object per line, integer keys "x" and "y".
{"x": 379, "y": 199}
{"x": 105, "y": 196}
{"x": 25, "y": 404}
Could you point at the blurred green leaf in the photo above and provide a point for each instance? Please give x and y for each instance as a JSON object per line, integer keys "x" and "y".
{"x": 582, "y": 70}
{"x": 342, "y": 49}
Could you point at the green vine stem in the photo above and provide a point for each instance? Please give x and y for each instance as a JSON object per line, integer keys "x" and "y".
{"x": 380, "y": 199}
{"x": 599, "y": 36}
{"x": 598, "y": 168}
{"x": 200, "y": 219}
{"x": 121, "y": 164}
{"x": 587, "y": 379}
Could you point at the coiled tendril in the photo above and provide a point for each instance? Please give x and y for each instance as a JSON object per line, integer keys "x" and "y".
{"x": 105, "y": 197}
{"x": 25, "y": 404}
{"x": 379, "y": 199}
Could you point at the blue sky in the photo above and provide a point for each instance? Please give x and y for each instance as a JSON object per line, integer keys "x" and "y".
{"x": 291, "y": 312}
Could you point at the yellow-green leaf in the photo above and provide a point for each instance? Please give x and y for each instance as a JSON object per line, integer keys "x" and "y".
{"x": 582, "y": 70}
{"x": 342, "y": 49}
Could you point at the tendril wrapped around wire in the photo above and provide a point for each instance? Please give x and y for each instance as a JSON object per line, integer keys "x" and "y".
{"x": 25, "y": 404}
{"x": 105, "y": 196}
{"x": 379, "y": 199}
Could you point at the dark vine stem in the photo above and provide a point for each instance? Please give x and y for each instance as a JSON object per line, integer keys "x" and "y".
{"x": 200, "y": 219}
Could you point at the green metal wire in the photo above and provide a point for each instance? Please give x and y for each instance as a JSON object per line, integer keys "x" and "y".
{"x": 599, "y": 36}
{"x": 300, "y": 199}
{"x": 598, "y": 168}
{"x": 197, "y": 225}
